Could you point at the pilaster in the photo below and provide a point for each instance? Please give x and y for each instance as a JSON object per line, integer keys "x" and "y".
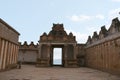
{"x": 65, "y": 55}
{"x": 39, "y": 52}
{"x": 5, "y": 53}
{"x": 2, "y": 52}
{"x": 48, "y": 54}
{"x": 75, "y": 51}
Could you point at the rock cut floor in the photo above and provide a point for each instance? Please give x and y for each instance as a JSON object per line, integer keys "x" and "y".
{"x": 28, "y": 72}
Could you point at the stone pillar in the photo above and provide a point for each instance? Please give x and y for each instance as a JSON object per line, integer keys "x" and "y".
{"x": 2, "y": 52}
{"x": 48, "y": 51}
{"x": 106, "y": 54}
{"x": 65, "y": 55}
{"x": 102, "y": 52}
{"x": 75, "y": 51}
{"x": 75, "y": 64}
{"x": 17, "y": 53}
{"x": 48, "y": 54}
{"x": 11, "y": 53}
{"x": 114, "y": 55}
{"x": 5, "y": 53}
{"x": 97, "y": 57}
{"x": 65, "y": 51}
{"x": 39, "y": 52}
{"x": 109, "y": 59}
{"x": 7, "y": 57}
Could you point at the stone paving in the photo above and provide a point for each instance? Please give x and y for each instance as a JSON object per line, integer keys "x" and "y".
{"x": 29, "y": 72}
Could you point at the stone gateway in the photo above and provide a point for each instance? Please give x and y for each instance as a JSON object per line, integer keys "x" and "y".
{"x": 57, "y": 38}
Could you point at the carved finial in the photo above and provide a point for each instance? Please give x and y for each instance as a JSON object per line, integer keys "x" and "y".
{"x": 95, "y": 35}
{"x": 25, "y": 43}
{"x": 70, "y": 34}
{"x": 44, "y": 34}
{"x": 104, "y": 31}
{"x": 32, "y": 43}
{"x": 89, "y": 41}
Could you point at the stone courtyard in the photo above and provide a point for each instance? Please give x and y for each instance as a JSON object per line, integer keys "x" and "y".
{"x": 30, "y": 72}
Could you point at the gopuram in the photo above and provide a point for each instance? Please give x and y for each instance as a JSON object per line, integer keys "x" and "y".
{"x": 57, "y": 38}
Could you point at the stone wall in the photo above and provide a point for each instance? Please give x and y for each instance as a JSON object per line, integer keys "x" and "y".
{"x": 28, "y": 53}
{"x": 8, "y": 46}
{"x": 103, "y": 49}
{"x": 81, "y": 55}
{"x": 8, "y": 33}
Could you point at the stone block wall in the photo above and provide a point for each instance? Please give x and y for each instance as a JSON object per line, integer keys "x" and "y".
{"x": 8, "y": 46}
{"x": 28, "y": 53}
{"x": 81, "y": 55}
{"x": 8, "y": 33}
{"x": 103, "y": 49}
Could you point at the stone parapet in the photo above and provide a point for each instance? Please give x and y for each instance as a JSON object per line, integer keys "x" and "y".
{"x": 26, "y": 46}
{"x": 103, "y": 51}
{"x": 104, "y": 34}
{"x": 8, "y": 33}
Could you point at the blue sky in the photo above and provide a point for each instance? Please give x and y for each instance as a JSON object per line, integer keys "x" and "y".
{"x": 82, "y": 17}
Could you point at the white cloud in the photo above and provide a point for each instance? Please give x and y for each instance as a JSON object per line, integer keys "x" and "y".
{"x": 99, "y": 16}
{"x": 78, "y": 18}
{"x": 116, "y": 0}
{"x": 114, "y": 13}
{"x": 80, "y": 37}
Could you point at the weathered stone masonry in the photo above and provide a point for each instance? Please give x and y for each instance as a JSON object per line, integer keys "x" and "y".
{"x": 57, "y": 38}
{"x": 8, "y": 46}
{"x": 103, "y": 50}
{"x": 28, "y": 53}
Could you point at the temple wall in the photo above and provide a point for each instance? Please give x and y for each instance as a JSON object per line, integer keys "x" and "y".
{"x": 70, "y": 52}
{"x": 28, "y": 53}
{"x": 104, "y": 53}
{"x": 8, "y": 33}
{"x": 44, "y": 52}
{"x": 8, "y": 46}
{"x": 27, "y": 56}
{"x": 80, "y": 55}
